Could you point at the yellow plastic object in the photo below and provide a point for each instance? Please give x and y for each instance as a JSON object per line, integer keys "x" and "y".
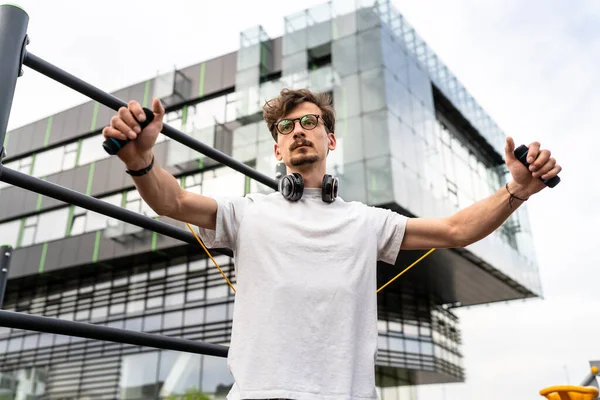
{"x": 570, "y": 392}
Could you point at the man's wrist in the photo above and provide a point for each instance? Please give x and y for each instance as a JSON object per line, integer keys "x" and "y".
{"x": 140, "y": 162}
{"x": 518, "y": 191}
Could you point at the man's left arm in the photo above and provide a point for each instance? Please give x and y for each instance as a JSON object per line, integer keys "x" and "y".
{"x": 485, "y": 216}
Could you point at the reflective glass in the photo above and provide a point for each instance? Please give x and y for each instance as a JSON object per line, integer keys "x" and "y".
{"x": 172, "y": 319}
{"x": 48, "y": 162}
{"x": 350, "y": 144}
{"x": 248, "y": 56}
{"x": 352, "y": 182}
{"x": 344, "y": 55}
{"x": 217, "y": 292}
{"x": 194, "y": 316}
{"x": 138, "y": 376}
{"x": 174, "y": 299}
{"x": 52, "y": 225}
{"x": 92, "y": 150}
{"x": 294, "y": 42}
{"x": 216, "y": 377}
{"x": 348, "y": 97}
{"x": 344, "y": 23}
{"x": 134, "y": 324}
{"x": 370, "y": 49}
{"x": 179, "y": 374}
{"x": 293, "y": 63}
{"x": 380, "y": 181}
{"x": 152, "y": 322}
{"x": 377, "y": 135}
{"x": 216, "y": 313}
{"x": 9, "y": 232}
{"x": 319, "y": 33}
{"x": 28, "y": 236}
{"x": 372, "y": 90}
{"x": 367, "y": 18}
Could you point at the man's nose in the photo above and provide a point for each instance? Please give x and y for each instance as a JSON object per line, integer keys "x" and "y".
{"x": 298, "y": 130}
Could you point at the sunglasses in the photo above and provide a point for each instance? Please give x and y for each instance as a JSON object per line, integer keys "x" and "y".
{"x": 308, "y": 122}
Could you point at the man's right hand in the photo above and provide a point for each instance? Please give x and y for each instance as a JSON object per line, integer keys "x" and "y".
{"x": 136, "y": 154}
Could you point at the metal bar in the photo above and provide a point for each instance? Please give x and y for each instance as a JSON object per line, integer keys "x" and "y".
{"x": 590, "y": 378}
{"x": 91, "y": 203}
{"x": 5, "y": 256}
{"x": 114, "y": 103}
{"x": 13, "y": 33}
{"x": 38, "y": 323}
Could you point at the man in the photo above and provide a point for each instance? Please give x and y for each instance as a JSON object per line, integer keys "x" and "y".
{"x": 305, "y": 319}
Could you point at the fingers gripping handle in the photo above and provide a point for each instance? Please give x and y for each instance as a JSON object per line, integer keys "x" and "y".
{"x": 113, "y": 145}
{"x": 521, "y": 154}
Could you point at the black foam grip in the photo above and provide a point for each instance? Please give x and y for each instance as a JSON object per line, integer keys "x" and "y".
{"x": 521, "y": 154}
{"x": 113, "y": 145}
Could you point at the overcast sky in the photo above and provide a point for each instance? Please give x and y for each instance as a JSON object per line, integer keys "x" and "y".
{"x": 533, "y": 65}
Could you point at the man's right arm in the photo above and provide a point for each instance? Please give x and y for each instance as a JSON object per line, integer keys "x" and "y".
{"x": 159, "y": 189}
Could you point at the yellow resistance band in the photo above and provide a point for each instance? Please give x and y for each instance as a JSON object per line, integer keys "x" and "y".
{"x": 406, "y": 269}
{"x": 232, "y": 288}
{"x": 211, "y": 257}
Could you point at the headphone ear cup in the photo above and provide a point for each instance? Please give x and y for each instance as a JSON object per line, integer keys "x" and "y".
{"x": 292, "y": 187}
{"x": 329, "y": 188}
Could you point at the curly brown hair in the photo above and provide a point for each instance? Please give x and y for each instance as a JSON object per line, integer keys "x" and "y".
{"x": 276, "y": 108}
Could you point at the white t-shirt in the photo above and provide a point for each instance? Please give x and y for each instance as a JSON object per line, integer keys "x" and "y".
{"x": 305, "y": 315}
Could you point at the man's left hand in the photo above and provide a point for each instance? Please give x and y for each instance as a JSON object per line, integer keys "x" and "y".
{"x": 542, "y": 165}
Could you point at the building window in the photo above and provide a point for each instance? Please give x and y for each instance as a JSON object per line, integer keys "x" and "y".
{"x": 28, "y": 233}
{"x": 9, "y": 232}
{"x": 91, "y": 150}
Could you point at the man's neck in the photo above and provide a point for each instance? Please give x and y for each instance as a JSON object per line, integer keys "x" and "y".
{"x": 313, "y": 177}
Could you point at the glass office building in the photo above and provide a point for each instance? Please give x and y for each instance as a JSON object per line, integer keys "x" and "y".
{"x": 410, "y": 138}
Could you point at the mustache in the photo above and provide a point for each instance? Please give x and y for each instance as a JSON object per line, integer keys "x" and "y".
{"x": 301, "y": 142}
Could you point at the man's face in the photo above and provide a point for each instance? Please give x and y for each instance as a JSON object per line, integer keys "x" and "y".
{"x": 304, "y": 146}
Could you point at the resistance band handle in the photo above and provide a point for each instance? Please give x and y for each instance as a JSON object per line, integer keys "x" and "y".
{"x": 521, "y": 154}
{"x": 113, "y": 145}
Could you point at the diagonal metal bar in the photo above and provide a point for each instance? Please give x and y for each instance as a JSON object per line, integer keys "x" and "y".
{"x": 70, "y": 196}
{"x": 38, "y": 323}
{"x": 114, "y": 103}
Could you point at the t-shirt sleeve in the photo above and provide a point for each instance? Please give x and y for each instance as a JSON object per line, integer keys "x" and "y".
{"x": 389, "y": 228}
{"x": 230, "y": 212}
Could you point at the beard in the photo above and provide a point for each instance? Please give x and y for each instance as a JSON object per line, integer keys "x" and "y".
{"x": 304, "y": 159}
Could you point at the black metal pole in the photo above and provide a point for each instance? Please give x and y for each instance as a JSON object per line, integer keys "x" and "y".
{"x": 5, "y": 256}
{"x": 13, "y": 33}
{"x": 91, "y": 203}
{"x": 38, "y": 323}
{"x": 114, "y": 103}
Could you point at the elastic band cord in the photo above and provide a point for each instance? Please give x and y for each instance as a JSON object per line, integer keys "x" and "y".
{"x": 211, "y": 257}
{"x": 513, "y": 197}
{"x": 406, "y": 269}
{"x": 232, "y": 288}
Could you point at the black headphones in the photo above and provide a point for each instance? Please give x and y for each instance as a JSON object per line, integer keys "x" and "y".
{"x": 291, "y": 187}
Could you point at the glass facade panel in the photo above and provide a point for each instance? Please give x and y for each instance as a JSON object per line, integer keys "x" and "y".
{"x": 48, "y": 162}
{"x": 376, "y": 134}
{"x": 9, "y": 232}
{"x": 344, "y": 55}
{"x": 138, "y": 376}
{"x": 179, "y": 373}
{"x": 91, "y": 150}
{"x": 216, "y": 377}
{"x": 347, "y": 97}
{"x": 370, "y": 51}
{"x": 372, "y": 90}
{"x": 52, "y": 225}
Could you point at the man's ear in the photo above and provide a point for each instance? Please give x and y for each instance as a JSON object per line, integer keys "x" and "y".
{"x": 332, "y": 141}
{"x": 277, "y": 152}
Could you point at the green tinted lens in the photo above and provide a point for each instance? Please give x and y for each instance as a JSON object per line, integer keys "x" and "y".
{"x": 285, "y": 126}
{"x": 308, "y": 121}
